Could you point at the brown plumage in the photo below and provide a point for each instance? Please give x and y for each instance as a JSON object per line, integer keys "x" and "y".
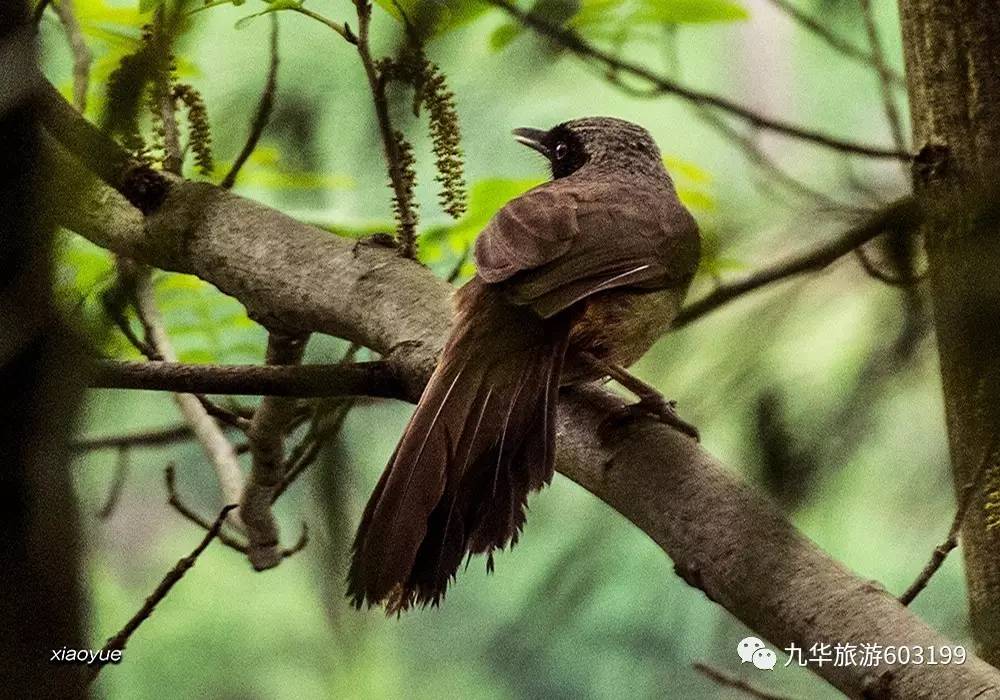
{"x": 596, "y": 261}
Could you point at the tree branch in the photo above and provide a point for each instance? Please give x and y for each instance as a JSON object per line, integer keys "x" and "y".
{"x": 267, "y": 448}
{"x": 722, "y": 536}
{"x": 832, "y": 39}
{"x": 119, "y": 640}
{"x": 885, "y": 77}
{"x": 82, "y": 57}
{"x": 942, "y": 551}
{"x": 575, "y": 43}
{"x": 263, "y": 114}
{"x": 357, "y": 379}
{"x": 903, "y": 213}
{"x": 727, "y": 681}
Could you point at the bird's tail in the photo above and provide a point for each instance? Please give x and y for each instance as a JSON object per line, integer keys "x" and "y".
{"x": 482, "y": 437}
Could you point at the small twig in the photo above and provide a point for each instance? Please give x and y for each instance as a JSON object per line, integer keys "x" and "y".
{"x": 229, "y": 541}
{"x": 901, "y": 214}
{"x": 756, "y": 155}
{"x": 267, "y": 449}
{"x": 173, "y": 155}
{"x": 214, "y": 442}
{"x": 146, "y": 438}
{"x": 117, "y": 484}
{"x": 306, "y": 452}
{"x": 375, "y": 378}
{"x": 82, "y": 57}
{"x": 407, "y": 217}
{"x": 885, "y": 77}
{"x": 119, "y": 640}
{"x": 832, "y": 39}
{"x": 942, "y": 551}
{"x": 575, "y": 43}
{"x": 341, "y": 29}
{"x": 456, "y": 271}
{"x": 174, "y": 500}
{"x": 881, "y": 275}
{"x": 264, "y": 108}
{"x": 728, "y": 681}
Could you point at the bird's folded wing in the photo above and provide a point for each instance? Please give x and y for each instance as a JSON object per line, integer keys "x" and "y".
{"x": 553, "y": 247}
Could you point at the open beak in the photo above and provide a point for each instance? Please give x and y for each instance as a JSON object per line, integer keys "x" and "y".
{"x": 532, "y": 138}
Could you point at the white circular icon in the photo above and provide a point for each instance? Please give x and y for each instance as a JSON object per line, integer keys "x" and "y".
{"x": 764, "y": 659}
{"x": 747, "y": 647}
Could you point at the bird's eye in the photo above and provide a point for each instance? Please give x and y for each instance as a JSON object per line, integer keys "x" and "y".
{"x": 560, "y": 151}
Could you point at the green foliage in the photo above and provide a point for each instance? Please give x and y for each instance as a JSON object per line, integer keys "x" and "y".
{"x": 619, "y": 21}
{"x": 274, "y": 6}
{"x": 433, "y": 17}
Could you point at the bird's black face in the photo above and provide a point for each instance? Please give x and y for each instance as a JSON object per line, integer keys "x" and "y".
{"x": 605, "y": 142}
{"x": 564, "y": 149}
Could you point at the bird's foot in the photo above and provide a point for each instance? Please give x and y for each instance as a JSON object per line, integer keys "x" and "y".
{"x": 655, "y": 406}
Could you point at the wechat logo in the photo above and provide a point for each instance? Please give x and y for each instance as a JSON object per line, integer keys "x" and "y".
{"x": 752, "y": 650}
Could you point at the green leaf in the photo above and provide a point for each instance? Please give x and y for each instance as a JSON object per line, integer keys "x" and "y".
{"x": 148, "y": 5}
{"x": 689, "y": 11}
{"x": 430, "y": 17}
{"x": 504, "y": 34}
{"x": 275, "y": 6}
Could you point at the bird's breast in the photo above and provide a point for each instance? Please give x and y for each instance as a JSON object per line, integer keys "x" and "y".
{"x": 620, "y": 326}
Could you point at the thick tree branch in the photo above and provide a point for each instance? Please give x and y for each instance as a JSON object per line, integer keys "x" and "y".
{"x": 578, "y": 45}
{"x": 900, "y": 215}
{"x": 358, "y": 379}
{"x": 722, "y": 535}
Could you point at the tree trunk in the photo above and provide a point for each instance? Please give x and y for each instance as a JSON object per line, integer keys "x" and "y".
{"x": 952, "y": 50}
{"x": 40, "y": 380}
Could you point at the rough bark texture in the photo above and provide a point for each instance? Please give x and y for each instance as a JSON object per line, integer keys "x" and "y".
{"x": 953, "y": 73}
{"x": 723, "y": 537}
{"x": 40, "y": 383}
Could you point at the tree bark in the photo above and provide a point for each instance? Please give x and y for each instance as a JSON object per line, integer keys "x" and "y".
{"x": 952, "y": 50}
{"x": 40, "y": 387}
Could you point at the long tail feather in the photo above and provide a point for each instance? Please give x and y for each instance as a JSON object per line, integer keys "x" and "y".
{"x": 481, "y": 438}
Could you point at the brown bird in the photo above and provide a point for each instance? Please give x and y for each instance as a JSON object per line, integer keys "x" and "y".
{"x": 576, "y": 279}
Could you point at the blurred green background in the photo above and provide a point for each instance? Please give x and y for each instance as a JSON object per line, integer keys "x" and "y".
{"x": 823, "y": 391}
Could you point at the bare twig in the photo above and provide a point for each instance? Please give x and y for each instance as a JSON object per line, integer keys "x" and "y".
{"x": 146, "y": 438}
{"x": 324, "y": 428}
{"x": 82, "y": 57}
{"x": 117, "y": 484}
{"x": 375, "y": 378}
{"x": 885, "y": 77}
{"x": 214, "y": 442}
{"x": 456, "y": 271}
{"x": 119, "y": 640}
{"x": 173, "y": 155}
{"x": 390, "y": 141}
{"x": 901, "y": 214}
{"x": 267, "y": 448}
{"x": 338, "y": 27}
{"x": 728, "y": 681}
{"x": 264, "y": 108}
{"x": 904, "y": 280}
{"x": 832, "y": 39}
{"x": 174, "y": 500}
{"x": 942, "y": 551}
{"x": 663, "y": 84}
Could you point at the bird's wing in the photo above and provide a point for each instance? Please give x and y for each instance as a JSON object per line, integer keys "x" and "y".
{"x": 557, "y": 245}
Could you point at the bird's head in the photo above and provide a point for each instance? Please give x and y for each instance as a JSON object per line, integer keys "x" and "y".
{"x": 596, "y": 142}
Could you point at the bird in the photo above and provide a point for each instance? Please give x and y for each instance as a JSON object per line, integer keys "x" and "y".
{"x": 576, "y": 279}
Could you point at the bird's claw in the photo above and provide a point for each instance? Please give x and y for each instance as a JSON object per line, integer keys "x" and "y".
{"x": 663, "y": 410}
